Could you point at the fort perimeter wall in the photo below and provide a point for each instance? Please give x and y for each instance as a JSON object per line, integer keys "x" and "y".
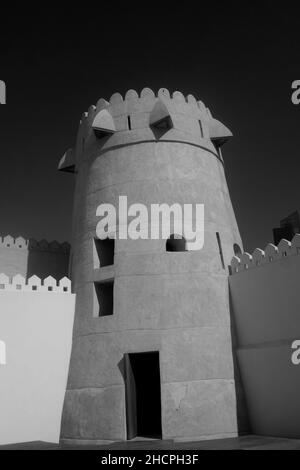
{"x": 36, "y": 322}
{"x": 265, "y": 300}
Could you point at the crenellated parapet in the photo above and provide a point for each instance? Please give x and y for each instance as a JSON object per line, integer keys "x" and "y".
{"x": 21, "y": 243}
{"x": 271, "y": 254}
{"x": 34, "y": 284}
{"x": 136, "y": 117}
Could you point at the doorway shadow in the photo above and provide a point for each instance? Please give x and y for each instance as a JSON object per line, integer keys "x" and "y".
{"x": 141, "y": 375}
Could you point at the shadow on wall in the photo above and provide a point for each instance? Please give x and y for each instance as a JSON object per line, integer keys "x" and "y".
{"x": 43, "y": 262}
{"x": 243, "y": 420}
{"x": 32, "y": 257}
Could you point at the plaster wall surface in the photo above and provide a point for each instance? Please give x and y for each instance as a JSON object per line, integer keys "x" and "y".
{"x": 174, "y": 303}
{"x": 36, "y": 328}
{"x": 265, "y": 304}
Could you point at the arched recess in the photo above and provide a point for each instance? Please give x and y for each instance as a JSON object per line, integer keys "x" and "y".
{"x": 237, "y": 249}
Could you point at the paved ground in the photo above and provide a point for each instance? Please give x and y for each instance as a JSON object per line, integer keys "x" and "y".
{"x": 239, "y": 443}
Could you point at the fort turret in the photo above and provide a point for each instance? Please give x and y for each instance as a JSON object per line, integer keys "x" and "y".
{"x": 152, "y": 352}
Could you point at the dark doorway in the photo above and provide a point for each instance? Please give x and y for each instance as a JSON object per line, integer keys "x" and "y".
{"x": 143, "y": 399}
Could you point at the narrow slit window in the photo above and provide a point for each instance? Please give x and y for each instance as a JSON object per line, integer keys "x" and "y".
{"x": 201, "y": 128}
{"x": 220, "y": 249}
{"x": 104, "y": 298}
{"x": 129, "y": 122}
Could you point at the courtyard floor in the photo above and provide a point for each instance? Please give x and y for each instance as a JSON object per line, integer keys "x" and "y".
{"x": 250, "y": 442}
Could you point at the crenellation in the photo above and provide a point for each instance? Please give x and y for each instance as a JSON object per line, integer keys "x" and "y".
{"x": 34, "y": 284}
{"x": 91, "y": 114}
{"x": 8, "y": 241}
{"x": 284, "y": 248}
{"x": 258, "y": 257}
{"x": 271, "y": 254}
{"x": 101, "y": 104}
{"x": 201, "y": 106}
{"x": 50, "y": 284}
{"x": 21, "y": 243}
{"x": 192, "y": 100}
{"x": 246, "y": 260}
{"x": 194, "y": 124}
{"x": 145, "y": 102}
{"x": 133, "y": 102}
{"x": 147, "y": 94}
{"x": 18, "y": 282}
{"x": 178, "y": 97}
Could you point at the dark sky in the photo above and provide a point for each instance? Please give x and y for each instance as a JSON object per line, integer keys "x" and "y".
{"x": 238, "y": 58}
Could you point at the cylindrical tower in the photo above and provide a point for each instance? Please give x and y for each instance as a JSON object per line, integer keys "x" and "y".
{"x": 152, "y": 353}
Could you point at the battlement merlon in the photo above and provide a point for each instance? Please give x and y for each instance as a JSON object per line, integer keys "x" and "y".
{"x": 259, "y": 257}
{"x": 33, "y": 245}
{"x": 124, "y": 121}
{"x": 34, "y": 284}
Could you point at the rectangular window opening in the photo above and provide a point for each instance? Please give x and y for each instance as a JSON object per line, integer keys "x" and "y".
{"x": 104, "y": 252}
{"x": 129, "y": 122}
{"x": 104, "y": 298}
